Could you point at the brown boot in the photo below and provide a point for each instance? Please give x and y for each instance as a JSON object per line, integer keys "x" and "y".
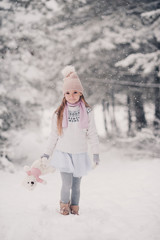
{"x": 74, "y": 209}
{"x": 64, "y": 208}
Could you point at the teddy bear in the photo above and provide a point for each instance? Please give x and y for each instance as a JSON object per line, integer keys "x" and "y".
{"x": 34, "y": 172}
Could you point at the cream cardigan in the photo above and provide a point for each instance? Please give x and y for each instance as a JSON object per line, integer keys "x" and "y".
{"x": 74, "y": 139}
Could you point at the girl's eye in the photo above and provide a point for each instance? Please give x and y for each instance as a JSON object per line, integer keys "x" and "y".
{"x": 67, "y": 92}
{"x": 75, "y": 92}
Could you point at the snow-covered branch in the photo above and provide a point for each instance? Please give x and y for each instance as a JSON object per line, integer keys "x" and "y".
{"x": 150, "y": 17}
{"x": 145, "y": 63}
{"x": 126, "y": 83}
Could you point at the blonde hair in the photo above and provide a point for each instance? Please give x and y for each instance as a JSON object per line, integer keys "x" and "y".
{"x": 59, "y": 111}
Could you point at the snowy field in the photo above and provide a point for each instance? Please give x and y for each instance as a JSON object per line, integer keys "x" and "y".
{"x": 120, "y": 200}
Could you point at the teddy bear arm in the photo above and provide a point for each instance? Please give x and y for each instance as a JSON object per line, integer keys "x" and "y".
{"x": 39, "y": 179}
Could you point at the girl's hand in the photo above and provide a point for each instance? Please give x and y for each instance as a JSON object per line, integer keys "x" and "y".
{"x": 44, "y": 161}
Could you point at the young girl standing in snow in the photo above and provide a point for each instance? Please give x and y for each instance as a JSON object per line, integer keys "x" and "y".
{"x": 73, "y": 128}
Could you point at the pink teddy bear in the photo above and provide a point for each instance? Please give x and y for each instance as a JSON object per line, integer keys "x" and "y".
{"x": 34, "y": 172}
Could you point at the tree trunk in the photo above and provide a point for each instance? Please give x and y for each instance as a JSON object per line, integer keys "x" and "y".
{"x": 157, "y": 100}
{"x": 104, "y": 114}
{"x": 113, "y": 119}
{"x": 129, "y": 113}
{"x": 139, "y": 110}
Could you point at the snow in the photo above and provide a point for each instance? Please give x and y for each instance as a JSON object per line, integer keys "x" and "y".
{"x": 5, "y": 5}
{"x": 28, "y": 18}
{"x": 53, "y": 5}
{"x": 2, "y": 90}
{"x": 101, "y": 44}
{"x": 27, "y": 145}
{"x": 156, "y": 34}
{"x": 120, "y": 200}
{"x": 5, "y": 164}
{"x": 3, "y": 109}
{"x": 149, "y": 17}
{"x": 99, "y": 122}
{"x": 139, "y": 61}
{"x": 23, "y": 94}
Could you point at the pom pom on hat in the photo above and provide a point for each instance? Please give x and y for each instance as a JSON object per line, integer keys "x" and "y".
{"x": 71, "y": 80}
{"x": 68, "y": 70}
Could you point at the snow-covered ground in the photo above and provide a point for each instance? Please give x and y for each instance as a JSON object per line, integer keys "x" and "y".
{"x": 120, "y": 200}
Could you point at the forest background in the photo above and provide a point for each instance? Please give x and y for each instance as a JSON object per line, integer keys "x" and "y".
{"x": 114, "y": 46}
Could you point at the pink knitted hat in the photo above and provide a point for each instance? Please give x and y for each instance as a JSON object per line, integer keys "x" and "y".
{"x": 71, "y": 80}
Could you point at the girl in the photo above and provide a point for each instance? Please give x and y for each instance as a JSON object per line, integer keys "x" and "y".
{"x": 72, "y": 127}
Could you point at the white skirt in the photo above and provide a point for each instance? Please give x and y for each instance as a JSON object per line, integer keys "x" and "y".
{"x": 78, "y": 164}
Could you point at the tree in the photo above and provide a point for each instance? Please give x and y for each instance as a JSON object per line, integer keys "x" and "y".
{"x": 147, "y": 63}
{"x": 39, "y": 38}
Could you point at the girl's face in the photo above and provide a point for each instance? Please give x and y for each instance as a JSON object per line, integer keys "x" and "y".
{"x": 72, "y": 96}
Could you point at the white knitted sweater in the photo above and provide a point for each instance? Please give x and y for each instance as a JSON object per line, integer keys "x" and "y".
{"x": 74, "y": 139}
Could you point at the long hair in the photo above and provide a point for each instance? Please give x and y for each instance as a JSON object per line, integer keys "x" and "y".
{"x": 59, "y": 111}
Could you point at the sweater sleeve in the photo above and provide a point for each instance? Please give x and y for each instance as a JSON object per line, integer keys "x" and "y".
{"x": 53, "y": 137}
{"x": 92, "y": 134}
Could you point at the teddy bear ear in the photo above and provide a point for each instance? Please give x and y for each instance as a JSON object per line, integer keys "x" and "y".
{"x": 26, "y": 168}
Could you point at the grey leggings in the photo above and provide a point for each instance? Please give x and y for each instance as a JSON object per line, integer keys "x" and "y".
{"x": 70, "y": 183}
